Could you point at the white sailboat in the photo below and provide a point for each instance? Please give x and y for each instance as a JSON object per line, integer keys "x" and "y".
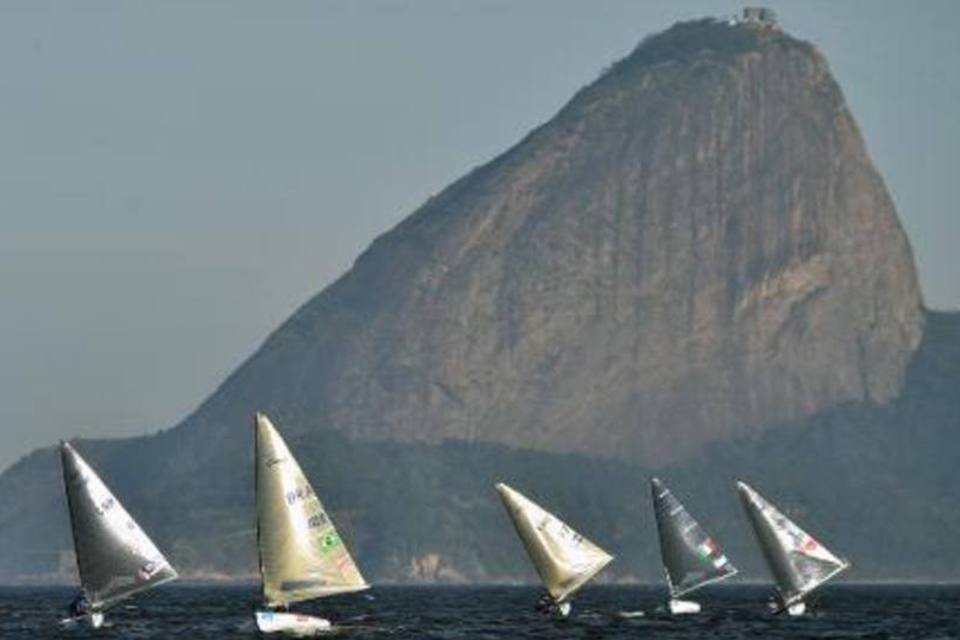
{"x": 691, "y": 559}
{"x": 563, "y": 558}
{"x": 301, "y": 555}
{"x": 798, "y": 562}
{"x": 115, "y": 558}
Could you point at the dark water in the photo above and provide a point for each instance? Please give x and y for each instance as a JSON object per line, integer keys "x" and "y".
{"x": 841, "y": 612}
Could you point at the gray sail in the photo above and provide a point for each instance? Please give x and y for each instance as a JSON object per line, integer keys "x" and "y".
{"x": 691, "y": 559}
{"x": 115, "y": 557}
{"x": 798, "y": 562}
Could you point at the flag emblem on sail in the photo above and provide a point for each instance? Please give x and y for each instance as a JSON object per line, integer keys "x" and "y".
{"x": 691, "y": 558}
{"x": 301, "y": 554}
{"x": 330, "y": 542}
{"x": 115, "y": 558}
{"x": 709, "y": 551}
{"x": 798, "y": 562}
{"x": 563, "y": 558}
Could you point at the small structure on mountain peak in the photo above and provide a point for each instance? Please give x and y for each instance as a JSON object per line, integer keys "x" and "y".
{"x": 760, "y": 17}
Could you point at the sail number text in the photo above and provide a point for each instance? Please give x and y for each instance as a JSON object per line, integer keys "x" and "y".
{"x": 298, "y": 495}
{"x": 317, "y": 520}
{"x": 105, "y": 506}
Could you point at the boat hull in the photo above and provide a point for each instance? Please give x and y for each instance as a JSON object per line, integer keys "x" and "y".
{"x": 294, "y": 624}
{"x": 96, "y": 620}
{"x": 683, "y": 607}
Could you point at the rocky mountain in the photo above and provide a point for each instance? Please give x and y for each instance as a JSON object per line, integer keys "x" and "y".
{"x": 693, "y": 268}
{"x": 696, "y": 246}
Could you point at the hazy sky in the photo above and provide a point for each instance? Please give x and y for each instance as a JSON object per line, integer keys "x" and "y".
{"x": 178, "y": 177}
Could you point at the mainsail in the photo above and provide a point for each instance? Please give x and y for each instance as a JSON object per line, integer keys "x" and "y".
{"x": 691, "y": 559}
{"x": 301, "y": 555}
{"x": 115, "y": 557}
{"x": 564, "y": 559}
{"x": 798, "y": 562}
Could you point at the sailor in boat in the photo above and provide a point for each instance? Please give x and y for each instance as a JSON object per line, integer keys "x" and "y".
{"x": 545, "y": 605}
{"x": 563, "y": 558}
{"x": 550, "y": 608}
{"x": 301, "y": 555}
{"x": 115, "y": 557}
{"x": 798, "y": 562}
{"x": 79, "y": 606}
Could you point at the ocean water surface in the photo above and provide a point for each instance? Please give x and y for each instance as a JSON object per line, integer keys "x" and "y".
{"x": 840, "y": 612}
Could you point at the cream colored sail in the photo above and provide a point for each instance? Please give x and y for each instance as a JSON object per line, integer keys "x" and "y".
{"x": 301, "y": 555}
{"x": 564, "y": 559}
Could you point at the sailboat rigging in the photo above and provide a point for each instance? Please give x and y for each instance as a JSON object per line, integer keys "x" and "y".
{"x": 115, "y": 558}
{"x": 302, "y": 557}
{"x": 691, "y": 558}
{"x": 563, "y": 558}
{"x": 798, "y": 562}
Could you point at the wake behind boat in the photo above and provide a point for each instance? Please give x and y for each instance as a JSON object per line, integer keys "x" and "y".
{"x": 563, "y": 558}
{"x": 691, "y": 559}
{"x": 115, "y": 558}
{"x": 798, "y": 562}
{"x": 302, "y": 557}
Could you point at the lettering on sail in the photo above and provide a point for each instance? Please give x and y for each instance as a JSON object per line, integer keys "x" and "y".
{"x": 104, "y": 506}
{"x": 317, "y": 520}
{"x": 559, "y": 530}
{"x": 298, "y": 495}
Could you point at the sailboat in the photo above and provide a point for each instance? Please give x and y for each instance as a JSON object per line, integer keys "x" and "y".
{"x": 115, "y": 558}
{"x": 301, "y": 555}
{"x": 691, "y": 559}
{"x": 563, "y": 558}
{"x": 798, "y": 562}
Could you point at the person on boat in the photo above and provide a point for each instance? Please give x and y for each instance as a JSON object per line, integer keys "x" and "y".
{"x": 79, "y": 606}
{"x": 775, "y": 603}
{"x": 545, "y": 605}
{"x": 549, "y": 607}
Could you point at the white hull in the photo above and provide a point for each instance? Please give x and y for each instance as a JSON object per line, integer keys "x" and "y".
{"x": 683, "y": 607}
{"x": 294, "y": 624}
{"x": 797, "y": 609}
{"x": 95, "y": 620}
{"x": 563, "y": 609}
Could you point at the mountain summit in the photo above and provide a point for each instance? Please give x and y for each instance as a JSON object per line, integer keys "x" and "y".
{"x": 695, "y": 246}
{"x": 693, "y": 269}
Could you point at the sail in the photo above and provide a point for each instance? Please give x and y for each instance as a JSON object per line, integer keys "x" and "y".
{"x": 115, "y": 557}
{"x": 798, "y": 562}
{"x": 301, "y": 555}
{"x": 691, "y": 559}
{"x": 564, "y": 559}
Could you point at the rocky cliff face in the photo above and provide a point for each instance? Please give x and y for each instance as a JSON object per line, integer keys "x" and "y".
{"x": 695, "y": 246}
